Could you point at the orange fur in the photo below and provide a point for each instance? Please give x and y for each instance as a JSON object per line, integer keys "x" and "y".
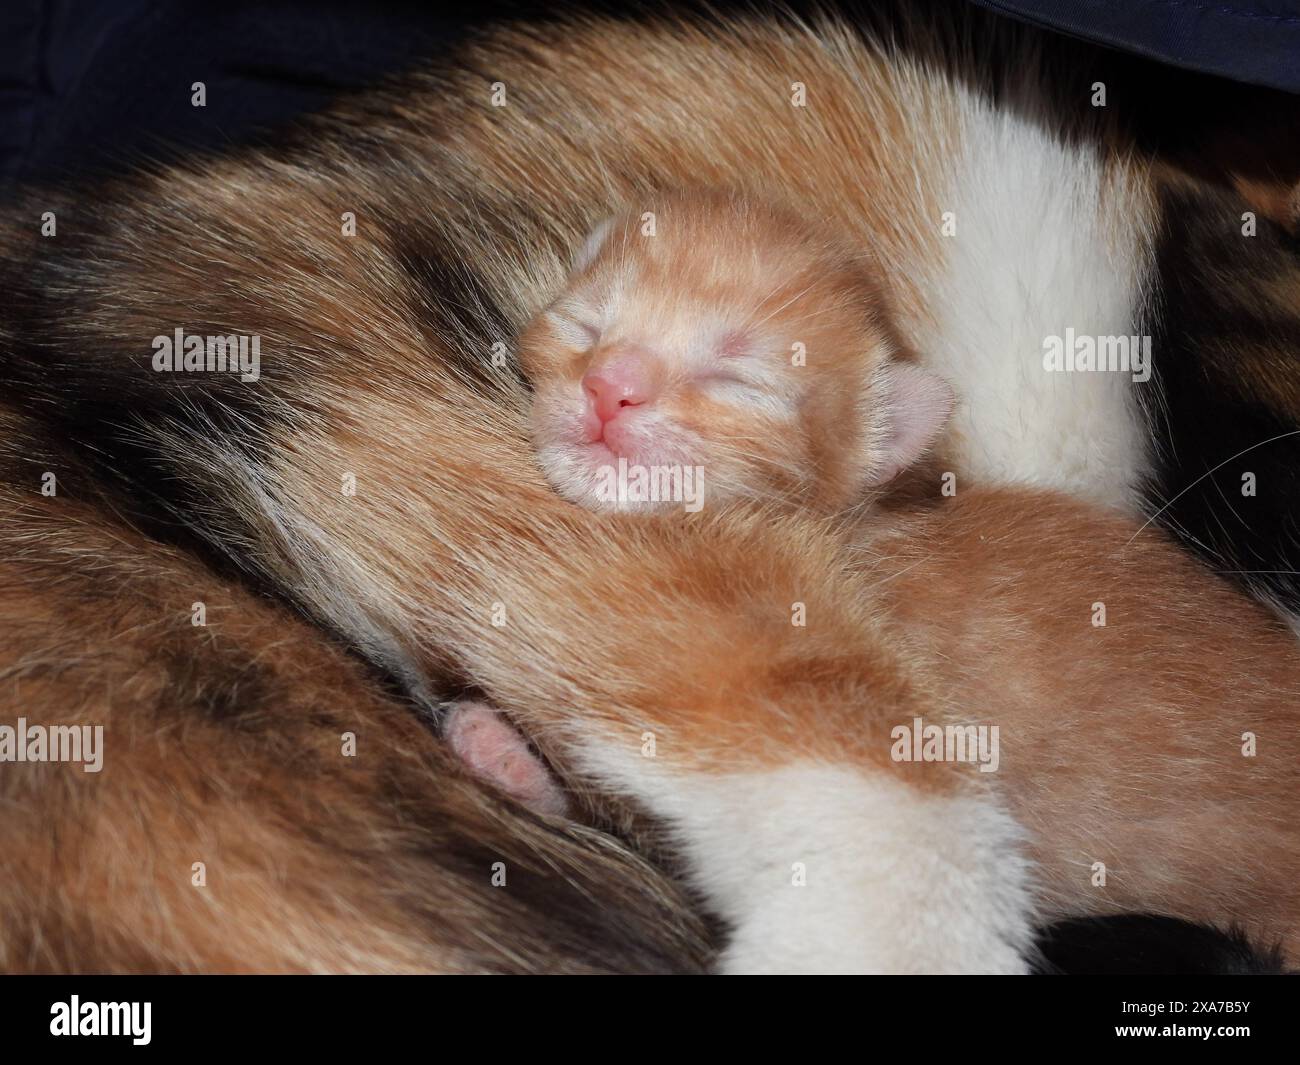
{"x": 1121, "y": 743}
{"x": 796, "y": 412}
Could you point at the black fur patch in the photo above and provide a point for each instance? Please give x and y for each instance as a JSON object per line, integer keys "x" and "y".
{"x": 1150, "y": 945}
{"x": 1213, "y": 417}
{"x": 449, "y": 293}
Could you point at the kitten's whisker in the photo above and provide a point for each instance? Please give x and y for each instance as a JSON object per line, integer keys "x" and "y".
{"x": 750, "y": 324}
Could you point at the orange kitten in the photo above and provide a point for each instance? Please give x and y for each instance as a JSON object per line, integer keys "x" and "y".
{"x": 727, "y": 344}
{"x": 730, "y": 344}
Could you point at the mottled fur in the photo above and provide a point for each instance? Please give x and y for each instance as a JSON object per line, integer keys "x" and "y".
{"x": 453, "y": 564}
{"x": 225, "y": 744}
{"x": 1225, "y": 403}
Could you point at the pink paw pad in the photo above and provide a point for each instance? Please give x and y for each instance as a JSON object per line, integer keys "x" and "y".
{"x": 494, "y": 751}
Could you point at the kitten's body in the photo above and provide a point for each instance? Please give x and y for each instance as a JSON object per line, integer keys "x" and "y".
{"x": 769, "y": 743}
{"x": 1159, "y": 735}
{"x": 1081, "y": 636}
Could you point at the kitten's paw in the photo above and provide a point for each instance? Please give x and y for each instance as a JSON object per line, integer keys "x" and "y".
{"x": 494, "y": 751}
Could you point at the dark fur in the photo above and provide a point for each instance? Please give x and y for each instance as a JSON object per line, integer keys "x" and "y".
{"x": 1150, "y": 945}
{"x": 1226, "y": 389}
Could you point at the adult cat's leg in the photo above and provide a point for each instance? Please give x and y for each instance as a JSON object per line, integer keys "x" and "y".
{"x": 257, "y": 800}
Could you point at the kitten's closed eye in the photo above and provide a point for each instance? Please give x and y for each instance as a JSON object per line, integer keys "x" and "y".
{"x": 576, "y": 332}
{"x": 720, "y": 377}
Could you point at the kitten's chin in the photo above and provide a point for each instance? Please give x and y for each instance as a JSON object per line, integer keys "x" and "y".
{"x": 594, "y": 476}
{"x": 612, "y": 474}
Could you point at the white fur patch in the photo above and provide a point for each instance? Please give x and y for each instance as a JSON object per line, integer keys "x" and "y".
{"x": 834, "y": 869}
{"x": 1047, "y": 238}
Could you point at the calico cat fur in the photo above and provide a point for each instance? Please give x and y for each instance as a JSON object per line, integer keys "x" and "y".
{"x": 378, "y": 373}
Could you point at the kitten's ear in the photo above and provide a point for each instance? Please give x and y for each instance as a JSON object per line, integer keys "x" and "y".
{"x": 915, "y": 405}
{"x": 592, "y": 245}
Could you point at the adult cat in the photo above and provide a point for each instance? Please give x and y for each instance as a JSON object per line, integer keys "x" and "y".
{"x": 376, "y": 474}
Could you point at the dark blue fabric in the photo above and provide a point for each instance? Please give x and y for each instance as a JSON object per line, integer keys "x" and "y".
{"x": 97, "y": 84}
{"x": 91, "y": 85}
{"x": 1255, "y": 41}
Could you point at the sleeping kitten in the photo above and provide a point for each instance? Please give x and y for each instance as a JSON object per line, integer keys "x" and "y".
{"x": 730, "y": 339}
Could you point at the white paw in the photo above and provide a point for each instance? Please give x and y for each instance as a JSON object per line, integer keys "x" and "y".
{"x": 836, "y": 869}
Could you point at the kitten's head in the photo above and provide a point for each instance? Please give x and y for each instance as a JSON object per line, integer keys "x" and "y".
{"x": 726, "y": 336}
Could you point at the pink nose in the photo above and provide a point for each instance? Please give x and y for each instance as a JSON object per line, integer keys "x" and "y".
{"x": 615, "y": 387}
